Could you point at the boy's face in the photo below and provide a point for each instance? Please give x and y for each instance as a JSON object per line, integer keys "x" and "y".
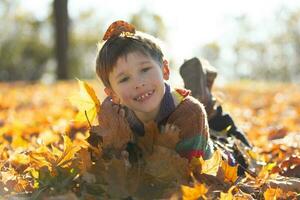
{"x": 137, "y": 81}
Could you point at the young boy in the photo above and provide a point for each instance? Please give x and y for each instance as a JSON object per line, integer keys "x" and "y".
{"x": 133, "y": 70}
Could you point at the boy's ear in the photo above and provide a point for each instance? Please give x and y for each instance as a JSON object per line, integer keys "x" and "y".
{"x": 111, "y": 93}
{"x": 166, "y": 70}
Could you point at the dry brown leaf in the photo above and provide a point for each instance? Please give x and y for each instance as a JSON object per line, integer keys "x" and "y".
{"x": 85, "y": 160}
{"x": 25, "y": 127}
{"x": 146, "y": 142}
{"x": 113, "y": 127}
{"x": 166, "y": 165}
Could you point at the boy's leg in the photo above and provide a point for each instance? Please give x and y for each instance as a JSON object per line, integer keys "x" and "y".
{"x": 198, "y": 76}
{"x": 199, "y": 80}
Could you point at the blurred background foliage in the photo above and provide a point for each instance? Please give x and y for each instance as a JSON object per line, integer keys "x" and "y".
{"x": 27, "y": 45}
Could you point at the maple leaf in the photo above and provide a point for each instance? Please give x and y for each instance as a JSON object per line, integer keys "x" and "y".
{"x": 43, "y": 156}
{"x": 146, "y": 142}
{"x": 230, "y": 172}
{"x": 272, "y": 193}
{"x": 86, "y": 162}
{"x": 166, "y": 165}
{"x": 228, "y": 195}
{"x": 68, "y": 153}
{"x": 210, "y": 166}
{"x": 86, "y": 102}
{"x": 194, "y": 193}
{"x": 168, "y": 138}
{"x": 113, "y": 128}
{"x": 115, "y": 178}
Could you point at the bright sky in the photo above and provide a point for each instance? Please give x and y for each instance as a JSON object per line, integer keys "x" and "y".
{"x": 190, "y": 23}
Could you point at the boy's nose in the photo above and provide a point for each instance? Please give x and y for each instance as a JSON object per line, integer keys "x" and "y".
{"x": 139, "y": 85}
{"x": 139, "y": 82}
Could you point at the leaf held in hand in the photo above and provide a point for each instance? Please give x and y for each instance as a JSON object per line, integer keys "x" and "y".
{"x": 86, "y": 102}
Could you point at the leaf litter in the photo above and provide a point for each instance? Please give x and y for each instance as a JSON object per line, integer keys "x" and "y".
{"x": 44, "y": 153}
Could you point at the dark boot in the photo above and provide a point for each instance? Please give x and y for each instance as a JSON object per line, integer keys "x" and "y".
{"x": 199, "y": 78}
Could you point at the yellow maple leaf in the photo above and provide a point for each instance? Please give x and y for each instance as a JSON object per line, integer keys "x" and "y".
{"x": 68, "y": 153}
{"x": 272, "y": 193}
{"x": 210, "y": 166}
{"x": 193, "y": 193}
{"x": 228, "y": 195}
{"x": 86, "y": 102}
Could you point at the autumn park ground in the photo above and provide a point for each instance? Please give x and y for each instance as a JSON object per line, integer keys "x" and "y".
{"x": 42, "y": 147}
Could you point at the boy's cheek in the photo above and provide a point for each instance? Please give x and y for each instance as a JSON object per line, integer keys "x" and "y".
{"x": 125, "y": 99}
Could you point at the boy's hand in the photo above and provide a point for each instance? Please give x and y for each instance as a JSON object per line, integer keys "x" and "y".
{"x": 119, "y": 109}
{"x": 169, "y": 136}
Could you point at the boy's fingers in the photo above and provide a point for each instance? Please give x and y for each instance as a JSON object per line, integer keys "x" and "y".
{"x": 116, "y": 108}
{"x": 119, "y": 109}
{"x": 170, "y": 128}
{"x": 122, "y": 112}
{"x": 175, "y": 128}
{"x": 167, "y": 127}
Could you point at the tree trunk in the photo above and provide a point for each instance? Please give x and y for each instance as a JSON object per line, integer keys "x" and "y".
{"x": 61, "y": 21}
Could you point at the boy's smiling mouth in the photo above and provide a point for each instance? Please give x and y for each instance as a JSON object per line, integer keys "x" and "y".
{"x": 144, "y": 96}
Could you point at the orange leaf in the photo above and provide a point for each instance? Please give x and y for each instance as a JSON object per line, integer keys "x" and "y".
{"x": 194, "y": 193}
{"x": 230, "y": 172}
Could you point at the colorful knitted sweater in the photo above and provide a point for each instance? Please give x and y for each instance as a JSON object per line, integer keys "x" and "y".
{"x": 188, "y": 114}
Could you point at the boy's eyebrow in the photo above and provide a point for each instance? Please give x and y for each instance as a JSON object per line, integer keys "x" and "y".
{"x": 140, "y": 63}
{"x": 144, "y": 62}
{"x": 120, "y": 74}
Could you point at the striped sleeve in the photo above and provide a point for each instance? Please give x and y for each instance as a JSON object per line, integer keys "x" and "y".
{"x": 190, "y": 118}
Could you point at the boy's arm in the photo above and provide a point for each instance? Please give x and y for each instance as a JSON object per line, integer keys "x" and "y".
{"x": 190, "y": 118}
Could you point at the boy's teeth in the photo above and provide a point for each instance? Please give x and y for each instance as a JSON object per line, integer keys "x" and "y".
{"x": 144, "y": 95}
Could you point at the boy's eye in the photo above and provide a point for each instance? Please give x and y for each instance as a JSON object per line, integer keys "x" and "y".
{"x": 146, "y": 69}
{"x": 123, "y": 79}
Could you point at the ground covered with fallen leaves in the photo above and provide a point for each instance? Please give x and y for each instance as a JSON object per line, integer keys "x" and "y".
{"x": 44, "y": 153}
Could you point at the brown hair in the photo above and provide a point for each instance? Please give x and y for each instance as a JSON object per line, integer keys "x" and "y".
{"x": 116, "y": 47}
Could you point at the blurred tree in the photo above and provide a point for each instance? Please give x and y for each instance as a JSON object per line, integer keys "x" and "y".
{"x": 149, "y": 23}
{"x": 26, "y": 44}
{"x": 61, "y": 21}
{"x": 276, "y": 57}
{"x": 85, "y": 34}
{"x": 211, "y": 51}
{"x": 24, "y": 53}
